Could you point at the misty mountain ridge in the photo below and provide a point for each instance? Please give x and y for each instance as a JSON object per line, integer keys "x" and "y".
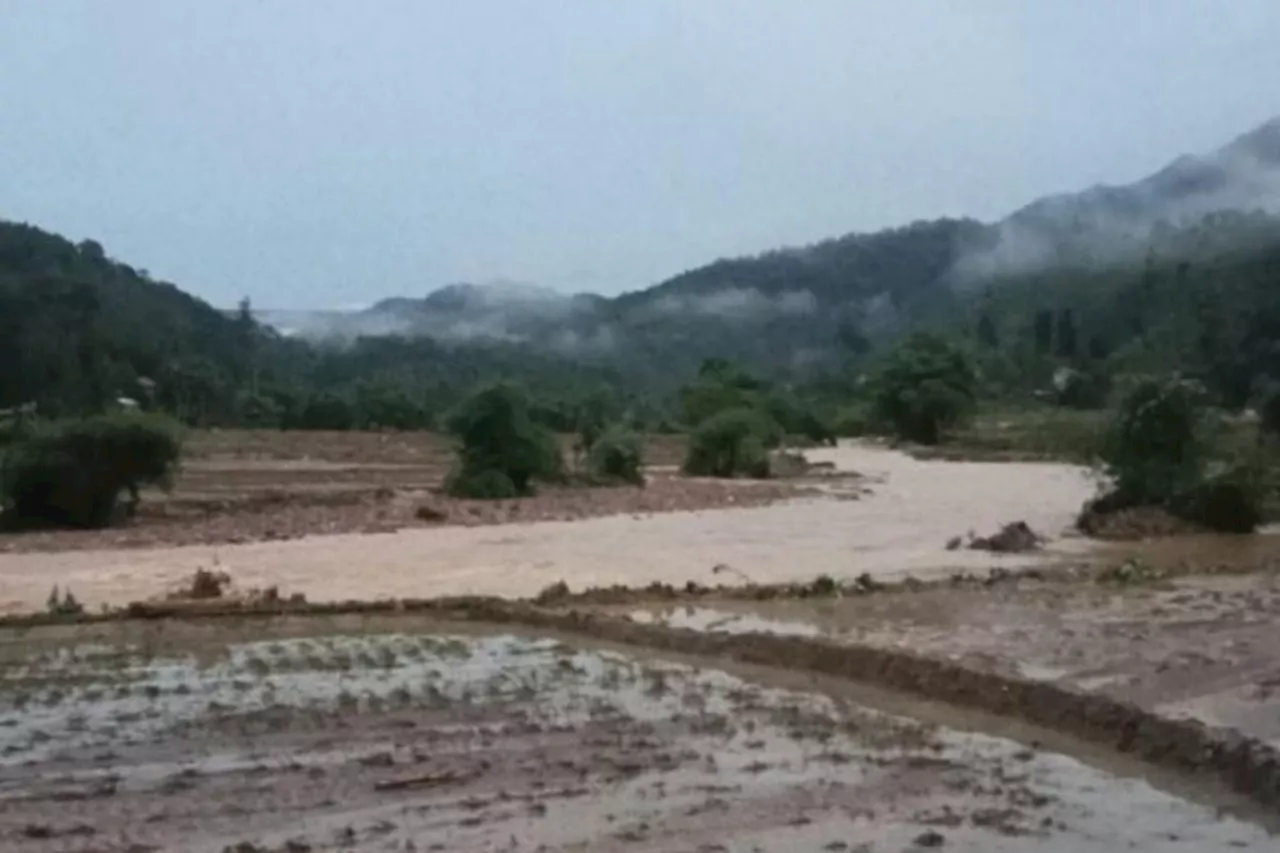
{"x": 793, "y": 303}
{"x": 1105, "y": 223}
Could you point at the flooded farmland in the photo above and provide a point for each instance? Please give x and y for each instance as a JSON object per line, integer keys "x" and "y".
{"x": 400, "y": 734}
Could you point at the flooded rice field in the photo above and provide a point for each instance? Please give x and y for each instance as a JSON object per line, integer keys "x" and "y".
{"x": 396, "y": 733}
{"x": 1200, "y": 647}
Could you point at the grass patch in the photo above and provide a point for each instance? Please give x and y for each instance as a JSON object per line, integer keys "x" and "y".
{"x": 1031, "y": 432}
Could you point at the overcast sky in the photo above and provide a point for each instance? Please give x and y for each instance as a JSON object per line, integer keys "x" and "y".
{"x": 319, "y": 153}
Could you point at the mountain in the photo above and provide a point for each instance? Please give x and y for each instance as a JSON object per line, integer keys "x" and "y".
{"x": 796, "y": 308}
{"x": 1107, "y": 223}
{"x": 458, "y": 313}
{"x": 1140, "y": 270}
{"x": 77, "y": 328}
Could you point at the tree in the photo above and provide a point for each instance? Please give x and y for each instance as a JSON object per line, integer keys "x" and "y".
{"x": 732, "y": 443}
{"x": 1042, "y": 332}
{"x": 71, "y": 473}
{"x": 925, "y": 387}
{"x": 720, "y": 386}
{"x": 1154, "y": 448}
{"x": 500, "y": 444}
{"x": 1067, "y": 346}
{"x": 850, "y": 337}
{"x": 590, "y": 420}
{"x": 246, "y": 330}
{"x": 987, "y": 335}
{"x": 1155, "y": 454}
{"x": 617, "y": 456}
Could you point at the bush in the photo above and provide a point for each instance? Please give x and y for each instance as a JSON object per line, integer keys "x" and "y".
{"x": 1228, "y": 503}
{"x": 71, "y": 473}
{"x": 795, "y": 418}
{"x": 1269, "y": 413}
{"x": 1153, "y": 449}
{"x": 324, "y": 412}
{"x": 1156, "y": 457}
{"x": 852, "y": 422}
{"x": 485, "y": 485}
{"x": 730, "y": 444}
{"x": 720, "y": 387}
{"x": 1083, "y": 390}
{"x": 617, "y": 455}
{"x": 499, "y": 443}
{"x": 925, "y": 387}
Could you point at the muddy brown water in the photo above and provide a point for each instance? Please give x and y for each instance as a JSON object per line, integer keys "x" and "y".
{"x": 395, "y": 733}
{"x": 899, "y": 526}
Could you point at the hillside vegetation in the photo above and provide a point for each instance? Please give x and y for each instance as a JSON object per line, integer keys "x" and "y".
{"x": 1070, "y": 322}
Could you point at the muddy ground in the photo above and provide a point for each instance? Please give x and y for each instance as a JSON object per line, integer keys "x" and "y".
{"x": 1195, "y": 646}
{"x": 415, "y": 732}
{"x": 399, "y": 733}
{"x": 241, "y": 486}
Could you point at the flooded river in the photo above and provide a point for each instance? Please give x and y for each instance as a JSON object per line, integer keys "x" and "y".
{"x": 900, "y": 527}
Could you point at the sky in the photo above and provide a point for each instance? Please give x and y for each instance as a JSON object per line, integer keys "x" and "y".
{"x": 328, "y": 153}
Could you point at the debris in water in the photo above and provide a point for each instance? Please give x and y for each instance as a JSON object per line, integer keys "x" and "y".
{"x": 1013, "y": 538}
{"x": 723, "y": 568}
{"x": 204, "y": 584}
{"x": 67, "y": 605}
{"x": 430, "y": 513}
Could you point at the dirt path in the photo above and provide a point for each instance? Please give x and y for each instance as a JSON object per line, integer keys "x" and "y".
{"x": 900, "y": 528}
{"x": 400, "y": 734}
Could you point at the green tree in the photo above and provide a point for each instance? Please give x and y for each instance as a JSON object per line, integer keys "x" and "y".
{"x": 987, "y": 334}
{"x": 1067, "y": 343}
{"x": 71, "y": 473}
{"x": 1154, "y": 448}
{"x": 925, "y": 387}
{"x": 617, "y": 455}
{"x": 732, "y": 443}
{"x": 1042, "y": 332}
{"x": 499, "y": 443}
{"x": 720, "y": 386}
{"x": 1156, "y": 454}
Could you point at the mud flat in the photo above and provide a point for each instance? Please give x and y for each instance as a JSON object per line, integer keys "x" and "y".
{"x": 893, "y": 520}
{"x": 406, "y": 733}
{"x": 1200, "y": 647}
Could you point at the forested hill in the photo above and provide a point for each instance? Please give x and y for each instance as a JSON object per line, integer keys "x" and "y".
{"x": 79, "y": 330}
{"x": 800, "y": 309}
{"x": 77, "y": 327}
{"x": 1175, "y": 270}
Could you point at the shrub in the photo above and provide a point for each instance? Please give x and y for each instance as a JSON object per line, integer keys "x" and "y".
{"x": 795, "y": 418}
{"x": 499, "y": 443}
{"x": 730, "y": 444}
{"x": 1156, "y": 456}
{"x": 1083, "y": 390}
{"x": 591, "y": 419}
{"x": 71, "y": 473}
{"x": 852, "y": 422}
{"x": 324, "y": 412}
{"x": 925, "y": 387}
{"x": 1269, "y": 412}
{"x": 1230, "y": 502}
{"x": 720, "y": 387}
{"x": 617, "y": 455}
{"x": 487, "y": 485}
{"x": 1153, "y": 449}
